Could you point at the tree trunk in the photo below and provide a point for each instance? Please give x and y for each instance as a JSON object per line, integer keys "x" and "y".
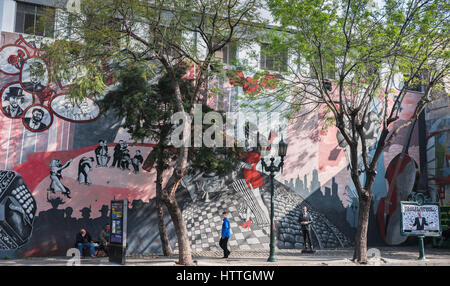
{"x": 184, "y": 248}
{"x": 360, "y": 252}
{"x": 165, "y": 244}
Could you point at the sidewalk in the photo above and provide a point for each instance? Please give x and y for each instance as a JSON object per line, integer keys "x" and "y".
{"x": 389, "y": 256}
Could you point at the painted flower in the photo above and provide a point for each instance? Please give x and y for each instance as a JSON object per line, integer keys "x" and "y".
{"x": 13, "y": 60}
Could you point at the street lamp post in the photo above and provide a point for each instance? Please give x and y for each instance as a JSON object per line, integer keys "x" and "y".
{"x": 272, "y": 169}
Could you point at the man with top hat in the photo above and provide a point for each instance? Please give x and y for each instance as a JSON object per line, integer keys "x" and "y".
{"x": 14, "y": 96}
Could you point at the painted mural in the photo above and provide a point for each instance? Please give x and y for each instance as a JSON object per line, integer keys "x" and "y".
{"x": 63, "y": 162}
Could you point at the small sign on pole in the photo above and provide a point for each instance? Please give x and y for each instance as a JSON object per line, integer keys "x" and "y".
{"x": 420, "y": 220}
{"x": 118, "y": 237}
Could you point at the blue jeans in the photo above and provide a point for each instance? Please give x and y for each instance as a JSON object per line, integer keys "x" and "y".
{"x": 87, "y": 244}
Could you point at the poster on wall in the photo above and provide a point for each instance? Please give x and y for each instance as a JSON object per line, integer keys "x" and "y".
{"x": 420, "y": 220}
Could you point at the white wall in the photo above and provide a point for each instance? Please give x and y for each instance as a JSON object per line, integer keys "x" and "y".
{"x": 7, "y": 15}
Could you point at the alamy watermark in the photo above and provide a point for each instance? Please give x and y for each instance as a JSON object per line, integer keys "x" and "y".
{"x": 229, "y": 129}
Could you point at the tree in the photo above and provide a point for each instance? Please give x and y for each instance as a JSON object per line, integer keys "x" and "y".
{"x": 147, "y": 109}
{"x": 160, "y": 34}
{"x": 355, "y": 51}
{"x": 147, "y": 115}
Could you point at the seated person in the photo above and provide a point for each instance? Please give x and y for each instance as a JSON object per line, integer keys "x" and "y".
{"x": 445, "y": 236}
{"x": 104, "y": 239}
{"x": 84, "y": 239}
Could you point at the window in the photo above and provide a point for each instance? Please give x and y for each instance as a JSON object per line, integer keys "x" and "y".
{"x": 272, "y": 62}
{"x": 228, "y": 53}
{"x": 28, "y": 16}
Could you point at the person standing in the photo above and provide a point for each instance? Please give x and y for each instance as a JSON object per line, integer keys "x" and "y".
{"x": 305, "y": 221}
{"x": 225, "y": 235}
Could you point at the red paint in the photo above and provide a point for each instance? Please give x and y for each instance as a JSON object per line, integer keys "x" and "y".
{"x": 251, "y": 175}
{"x": 35, "y": 169}
{"x": 390, "y": 204}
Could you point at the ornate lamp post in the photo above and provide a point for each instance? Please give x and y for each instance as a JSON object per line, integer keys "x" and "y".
{"x": 272, "y": 169}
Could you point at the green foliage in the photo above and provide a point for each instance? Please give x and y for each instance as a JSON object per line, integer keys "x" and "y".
{"x": 147, "y": 109}
{"x": 360, "y": 45}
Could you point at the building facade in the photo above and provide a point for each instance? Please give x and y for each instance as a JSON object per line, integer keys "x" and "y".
{"x": 62, "y": 164}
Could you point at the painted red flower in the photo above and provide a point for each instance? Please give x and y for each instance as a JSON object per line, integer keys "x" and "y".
{"x": 13, "y": 60}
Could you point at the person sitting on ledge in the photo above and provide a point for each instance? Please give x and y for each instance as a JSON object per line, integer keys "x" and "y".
{"x": 445, "y": 236}
{"x": 104, "y": 239}
{"x": 84, "y": 239}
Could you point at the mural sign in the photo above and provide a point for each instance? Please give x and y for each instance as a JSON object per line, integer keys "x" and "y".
{"x": 420, "y": 220}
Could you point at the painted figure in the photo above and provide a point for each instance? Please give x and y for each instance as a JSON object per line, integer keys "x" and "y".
{"x": 101, "y": 153}
{"x": 136, "y": 161}
{"x": 84, "y": 167}
{"x": 35, "y": 122}
{"x": 118, "y": 151}
{"x": 67, "y": 108}
{"x": 250, "y": 191}
{"x": 55, "y": 175}
{"x": 35, "y": 85}
{"x": 84, "y": 111}
{"x": 125, "y": 160}
{"x": 13, "y": 97}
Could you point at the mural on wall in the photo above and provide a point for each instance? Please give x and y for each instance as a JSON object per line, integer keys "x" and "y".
{"x": 17, "y": 210}
{"x": 15, "y": 100}
{"x": 29, "y": 93}
{"x": 80, "y": 161}
{"x": 83, "y": 111}
{"x": 438, "y": 159}
{"x": 402, "y": 175}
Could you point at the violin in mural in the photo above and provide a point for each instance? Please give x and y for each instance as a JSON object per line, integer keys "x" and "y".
{"x": 401, "y": 174}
